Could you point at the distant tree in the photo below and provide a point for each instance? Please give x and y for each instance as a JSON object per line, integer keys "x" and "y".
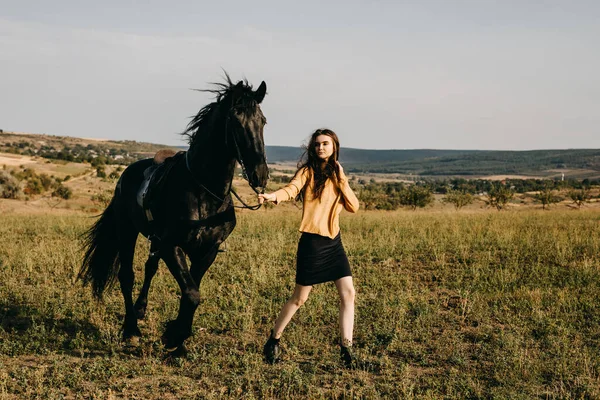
{"x": 546, "y": 197}
{"x": 580, "y": 196}
{"x": 416, "y": 196}
{"x": 499, "y": 195}
{"x": 458, "y": 198}
{"x": 98, "y": 161}
{"x": 379, "y": 195}
{"x": 369, "y": 197}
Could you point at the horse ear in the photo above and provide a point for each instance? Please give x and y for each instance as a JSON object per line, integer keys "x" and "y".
{"x": 259, "y": 95}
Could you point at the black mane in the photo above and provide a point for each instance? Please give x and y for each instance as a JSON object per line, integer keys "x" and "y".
{"x": 228, "y": 93}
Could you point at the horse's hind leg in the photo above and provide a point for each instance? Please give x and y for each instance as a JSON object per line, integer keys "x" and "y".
{"x": 150, "y": 270}
{"x": 126, "y": 280}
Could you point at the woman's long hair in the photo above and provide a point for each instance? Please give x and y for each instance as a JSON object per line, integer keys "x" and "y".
{"x": 319, "y": 170}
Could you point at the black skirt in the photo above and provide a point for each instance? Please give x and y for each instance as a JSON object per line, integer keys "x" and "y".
{"x": 320, "y": 259}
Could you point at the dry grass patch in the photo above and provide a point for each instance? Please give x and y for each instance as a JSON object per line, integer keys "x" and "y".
{"x": 449, "y": 305}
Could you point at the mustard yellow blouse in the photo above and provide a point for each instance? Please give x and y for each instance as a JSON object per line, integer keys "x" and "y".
{"x": 320, "y": 216}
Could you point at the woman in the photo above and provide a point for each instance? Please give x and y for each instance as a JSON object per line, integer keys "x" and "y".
{"x": 324, "y": 189}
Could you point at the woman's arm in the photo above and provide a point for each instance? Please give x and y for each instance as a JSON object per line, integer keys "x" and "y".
{"x": 351, "y": 202}
{"x": 289, "y": 191}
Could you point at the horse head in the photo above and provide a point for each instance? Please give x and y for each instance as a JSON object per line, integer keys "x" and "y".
{"x": 245, "y": 125}
{"x": 231, "y": 128}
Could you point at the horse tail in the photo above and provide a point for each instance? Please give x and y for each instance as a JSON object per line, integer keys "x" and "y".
{"x": 101, "y": 261}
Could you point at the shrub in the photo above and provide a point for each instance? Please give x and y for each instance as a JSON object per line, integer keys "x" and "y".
{"x": 9, "y": 186}
{"x": 100, "y": 172}
{"x": 33, "y": 186}
{"x": 63, "y": 192}
{"x": 102, "y": 199}
{"x": 46, "y": 181}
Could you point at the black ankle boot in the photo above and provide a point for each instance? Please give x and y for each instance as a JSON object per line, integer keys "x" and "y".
{"x": 272, "y": 351}
{"x": 347, "y": 357}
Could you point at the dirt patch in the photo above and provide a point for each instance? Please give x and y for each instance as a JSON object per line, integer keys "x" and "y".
{"x": 15, "y": 160}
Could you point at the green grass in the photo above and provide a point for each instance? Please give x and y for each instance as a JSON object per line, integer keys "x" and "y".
{"x": 449, "y": 305}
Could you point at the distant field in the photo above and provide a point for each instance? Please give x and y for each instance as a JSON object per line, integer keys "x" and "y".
{"x": 53, "y": 167}
{"x": 449, "y": 305}
{"x": 14, "y": 160}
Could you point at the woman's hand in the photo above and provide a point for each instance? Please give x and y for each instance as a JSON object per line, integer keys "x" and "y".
{"x": 266, "y": 197}
{"x": 340, "y": 172}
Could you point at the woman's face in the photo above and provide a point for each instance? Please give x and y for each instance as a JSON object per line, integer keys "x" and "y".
{"x": 324, "y": 147}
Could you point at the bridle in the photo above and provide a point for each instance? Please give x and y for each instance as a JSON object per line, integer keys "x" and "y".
{"x": 244, "y": 174}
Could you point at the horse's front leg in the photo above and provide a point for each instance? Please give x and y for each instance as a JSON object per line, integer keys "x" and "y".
{"x": 150, "y": 270}
{"x": 201, "y": 261}
{"x": 181, "y": 328}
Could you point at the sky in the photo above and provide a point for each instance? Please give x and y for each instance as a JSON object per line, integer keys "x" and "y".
{"x": 480, "y": 74}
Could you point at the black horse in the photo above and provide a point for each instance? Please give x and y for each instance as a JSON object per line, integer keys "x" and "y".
{"x": 190, "y": 212}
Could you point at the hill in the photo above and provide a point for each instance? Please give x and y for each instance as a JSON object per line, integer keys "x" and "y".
{"x": 574, "y": 163}
{"x": 73, "y": 149}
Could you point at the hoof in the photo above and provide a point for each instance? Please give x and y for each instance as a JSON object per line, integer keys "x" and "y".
{"x": 177, "y": 352}
{"x": 131, "y": 334}
{"x": 169, "y": 344}
{"x": 173, "y": 338}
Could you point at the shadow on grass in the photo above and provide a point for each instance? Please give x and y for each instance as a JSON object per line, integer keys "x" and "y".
{"x": 29, "y": 330}
{"x": 18, "y": 318}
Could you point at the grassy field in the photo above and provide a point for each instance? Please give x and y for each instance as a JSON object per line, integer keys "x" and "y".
{"x": 449, "y": 305}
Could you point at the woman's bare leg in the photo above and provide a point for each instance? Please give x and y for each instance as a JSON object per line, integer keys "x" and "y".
{"x": 289, "y": 309}
{"x": 346, "y": 291}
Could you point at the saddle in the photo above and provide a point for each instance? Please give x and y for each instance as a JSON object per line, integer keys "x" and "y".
{"x": 155, "y": 178}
